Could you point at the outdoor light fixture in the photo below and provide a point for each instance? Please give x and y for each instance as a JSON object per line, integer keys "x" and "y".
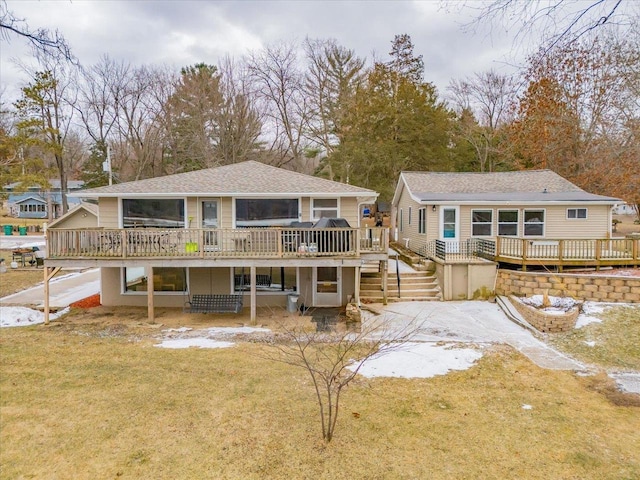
{"x": 433, "y": 208}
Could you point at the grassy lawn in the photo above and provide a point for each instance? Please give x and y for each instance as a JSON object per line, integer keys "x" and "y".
{"x": 97, "y": 400}
{"x": 616, "y": 339}
{"x": 13, "y": 281}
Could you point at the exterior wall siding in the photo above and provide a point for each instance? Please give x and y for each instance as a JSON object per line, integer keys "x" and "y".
{"x": 349, "y": 211}
{"x": 192, "y": 211}
{"x": 226, "y": 219}
{"x": 202, "y": 281}
{"x": 417, "y": 241}
{"x": 556, "y": 224}
{"x": 108, "y": 216}
{"x": 77, "y": 220}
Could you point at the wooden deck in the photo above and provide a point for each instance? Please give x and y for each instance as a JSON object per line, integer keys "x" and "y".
{"x": 527, "y": 252}
{"x": 241, "y": 243}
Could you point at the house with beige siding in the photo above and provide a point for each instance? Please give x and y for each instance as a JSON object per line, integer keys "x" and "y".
{"x": 537, "y": 205}
{"x": 245, "y": 229}
{"x": 468, "y": 223}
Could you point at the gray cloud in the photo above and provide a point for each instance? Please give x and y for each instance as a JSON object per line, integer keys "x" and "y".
{"x": 179, "y": 33}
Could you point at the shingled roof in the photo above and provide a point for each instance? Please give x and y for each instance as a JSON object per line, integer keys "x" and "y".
{"x": 248, "y": 178}
{"x": 525, "y": 186}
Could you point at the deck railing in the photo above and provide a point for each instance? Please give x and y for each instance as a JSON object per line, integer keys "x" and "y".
{"x": 523, "y": 251}
{"x": 568, "y": 249}
{"x": 465, "y": 250}
{"x": 205, "y": 243}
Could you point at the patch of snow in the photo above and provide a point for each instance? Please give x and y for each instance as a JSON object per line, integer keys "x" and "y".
{"x": 527, "y": 407}
{"x": 235, "y": 330}
{"x": 194, "y": 342}
{"x": 590, "y": 310}
{"x": 584, "y": 320}
{"x": 419, "y": 360}
{"x": 179, "y": 330}
{"x": 590, "y": 344}
{"x": 593, "y": 308}
{"x": 628, "y": 382}
{"x": 556, "y": 303}
{"x": 23, "y": 317}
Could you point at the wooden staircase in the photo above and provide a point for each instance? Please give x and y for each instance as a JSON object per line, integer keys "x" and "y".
{"x": 414, "y": 286}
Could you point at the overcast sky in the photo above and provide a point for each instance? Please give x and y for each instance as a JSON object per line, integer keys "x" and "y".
{"x": 180, "y": 33}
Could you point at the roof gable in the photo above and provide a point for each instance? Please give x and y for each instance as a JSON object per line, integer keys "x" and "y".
{"x": 246, "y": 178}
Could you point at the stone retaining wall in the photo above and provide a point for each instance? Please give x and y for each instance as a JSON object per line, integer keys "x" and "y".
{"x": 546, "y": 322}
{"x": 597, "y": 288}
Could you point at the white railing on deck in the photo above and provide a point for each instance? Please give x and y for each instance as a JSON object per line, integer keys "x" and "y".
{"x": 204, "y": 243}
{"x": 568, "y": 249}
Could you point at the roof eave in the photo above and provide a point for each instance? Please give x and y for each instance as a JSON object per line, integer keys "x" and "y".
{"x": 370, "y": 193}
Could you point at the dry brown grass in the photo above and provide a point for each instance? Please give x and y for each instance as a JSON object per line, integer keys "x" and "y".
{"x": 616, "y": 339}
{"x": 13, "y": 281}
{"x": 96, "y": 400}
{"x": 7, "y": 220}
{"x": 626, "y": 225}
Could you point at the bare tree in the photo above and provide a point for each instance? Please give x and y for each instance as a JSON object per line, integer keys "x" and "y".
{"x": 333, "y": 358}
{"x": 278, "y": 84}
{"x": 101, "y": 87}
{"x": 140, "y": 133}
{"x": 42, "y": 40}
{"x": 483, "y": 104}
{"x": 557, "y": 21}
{"x": 241, "y": 122}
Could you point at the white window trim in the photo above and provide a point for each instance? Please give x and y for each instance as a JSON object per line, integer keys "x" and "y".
{"x": 517, "y": 222}
{"x": 409, "y": 219}
{"x": 441, "y": 222}
{"x": 312, "y": 208}
{"x": 401, "y": 220}
{"x": 123, "y": 288}
{"x": 200, "y": 213}
{"x": 422, "y": 211}
{"x": 586, "y": 213}
{"x": 524, "y": 223}
{"x": 490, "y": 234}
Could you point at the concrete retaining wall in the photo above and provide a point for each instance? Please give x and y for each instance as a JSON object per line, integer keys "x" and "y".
{"x": 598, "y": 288}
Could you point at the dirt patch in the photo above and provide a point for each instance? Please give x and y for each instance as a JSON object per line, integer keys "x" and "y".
{"x": 606, "y": 386}
{"x": 133, "y": 321}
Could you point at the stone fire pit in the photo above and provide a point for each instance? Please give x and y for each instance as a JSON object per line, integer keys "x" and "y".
{"x": 560, "y": 316}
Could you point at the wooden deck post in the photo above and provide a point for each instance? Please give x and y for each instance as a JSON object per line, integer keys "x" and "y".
{"x": 48, "y": 275}
{"x": 150, "y": 287}
{"x": 385, "y": 280}
{"x": 357, "y": 286}
{"x": 253, "y": 294}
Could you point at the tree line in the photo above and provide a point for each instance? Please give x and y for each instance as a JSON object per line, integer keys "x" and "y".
{"x": 319, "y": 108}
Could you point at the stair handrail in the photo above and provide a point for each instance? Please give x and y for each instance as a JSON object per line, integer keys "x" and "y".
{"x": 398, "y": 272}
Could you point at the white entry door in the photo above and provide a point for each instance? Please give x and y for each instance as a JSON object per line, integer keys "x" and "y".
{"x": 450, "y": 228}
{"x": 327, "y": 286}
